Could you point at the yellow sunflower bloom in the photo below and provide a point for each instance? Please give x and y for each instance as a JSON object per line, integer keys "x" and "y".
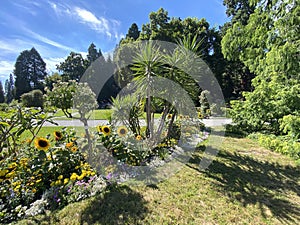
{"x": 69, "y": 145}
{"x": 42, "y": 144}
{"x": 106, "y": 130}
{"x": 122, "y": 131}
{"x": 99, "y": 128}
{"x": 139, "y": 137}
{"x": 58, "y": 135}
{"x": 74, "y": 149}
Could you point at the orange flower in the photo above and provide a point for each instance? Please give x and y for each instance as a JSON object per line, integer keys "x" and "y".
{"x": 69, "y": 145}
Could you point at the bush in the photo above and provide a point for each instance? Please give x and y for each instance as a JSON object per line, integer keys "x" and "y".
{"x": 33, "y": 99}
{"x": 280, "y": 144}
{"x": 290, "y": 124}
{"x": 51, "y": 171}
{"x": 40, "y": 173}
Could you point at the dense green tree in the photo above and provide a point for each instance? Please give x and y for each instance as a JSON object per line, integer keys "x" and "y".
{"x": 9, "y": 89}
{"x": 2, "y": 96}
{"x": 239, "y": 10}
{"x": 161, "y": 27}
{"x": 93, "y": 54}
{"x": 52, "y": 79}
{"x": 268, "y": 44}
{"x": 133, "y": 32}
{"x": 73, "y": 67}
{"x": 30, "y": 72}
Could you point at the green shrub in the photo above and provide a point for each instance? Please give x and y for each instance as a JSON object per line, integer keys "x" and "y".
{"x": 33, "y": 99}
{"x": 290, "y": 124}
{"x": 280, "y": 144}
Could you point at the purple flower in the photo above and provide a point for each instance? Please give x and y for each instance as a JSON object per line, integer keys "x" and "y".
{"x": 109, "y": 176}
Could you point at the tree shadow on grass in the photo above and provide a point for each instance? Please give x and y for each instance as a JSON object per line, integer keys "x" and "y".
{"x": 118, "y": 205}
{"x": 269, "y": 185}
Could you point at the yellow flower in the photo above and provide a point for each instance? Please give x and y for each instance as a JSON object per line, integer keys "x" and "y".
{"x": 38, "y": 181}
{"x": 42, "y": 144}
{"x": 52, "y": 183}
{"x": 93, "y": 173}
{"x": 139, "y": 137}
{"x": 3, "y": 173}
{"x": 200, "y": 116}
{"x": 60, "y": 177}
{"x": 58, "y": 135}
{"x": 12, "y": 165}
{"x": 169, "y": 116}
{"x": 10, "y": 175}
{"x": 106, "y": 130}
{"x": 81, "y": 176}
{"x": 33, "y": 190}
{"x": 122, "y": 131}
{"x": 66, "y": 180}
{"x": 23, "y": 161}
{"x": 73, "y": 176}
{"x": 58, "y": 182}
{"x": 69, "y": 145}
{"x": 74, "y": 149}
{"x": 99, "y": 128}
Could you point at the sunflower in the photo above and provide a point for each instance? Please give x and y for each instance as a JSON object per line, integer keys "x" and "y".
{"x": 69, "y": 145}
{"x": 99, "y": 128}
{"x": 139, "y": 137}
{"x": 122, "y": 131}
{"x": 74, "y": 149}
{"x": 106, "y": 130}
{"x": 58, "y": 135}
{"x": 42, "y": 144}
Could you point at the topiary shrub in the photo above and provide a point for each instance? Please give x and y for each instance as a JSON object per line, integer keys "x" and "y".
{"x": 33, "y": 99}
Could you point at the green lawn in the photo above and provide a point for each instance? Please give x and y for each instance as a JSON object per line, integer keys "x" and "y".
{"x": 99, "y": 114}
{"x": 246, "y": 184}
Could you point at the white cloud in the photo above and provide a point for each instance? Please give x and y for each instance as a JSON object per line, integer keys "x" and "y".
{"x": 47, "y": 40}
{"x": 51, "y": 64}
{"x": 6, "y": 68}
{"x": 99, "y": 24}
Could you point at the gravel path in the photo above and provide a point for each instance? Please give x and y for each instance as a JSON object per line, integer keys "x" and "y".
{"x": 212, "y": 122}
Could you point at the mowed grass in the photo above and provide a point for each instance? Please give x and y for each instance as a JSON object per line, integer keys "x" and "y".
{"x": 99, "y": 114}
{"x": 245, "y": 184}
{"x": 46, "y": 131}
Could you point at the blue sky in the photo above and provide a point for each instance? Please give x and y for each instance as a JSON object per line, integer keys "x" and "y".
{"x": 57, "y": 27}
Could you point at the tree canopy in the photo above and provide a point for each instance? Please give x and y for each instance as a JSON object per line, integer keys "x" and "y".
{"x": 268, "y": 44}
{"x": 30, "y": 72}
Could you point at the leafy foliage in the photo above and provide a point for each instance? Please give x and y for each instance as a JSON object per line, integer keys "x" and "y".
{"x": 14, "y": 121}
{"x": 73, "y": 67}
{"x": 269, "y": 49}
{"x": 61, "y": 96}
{"x": 30, "y": 72}
{"x": 33, "y": 99}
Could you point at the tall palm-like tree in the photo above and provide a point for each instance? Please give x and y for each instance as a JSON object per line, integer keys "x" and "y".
{"x": 146, "y": 65}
